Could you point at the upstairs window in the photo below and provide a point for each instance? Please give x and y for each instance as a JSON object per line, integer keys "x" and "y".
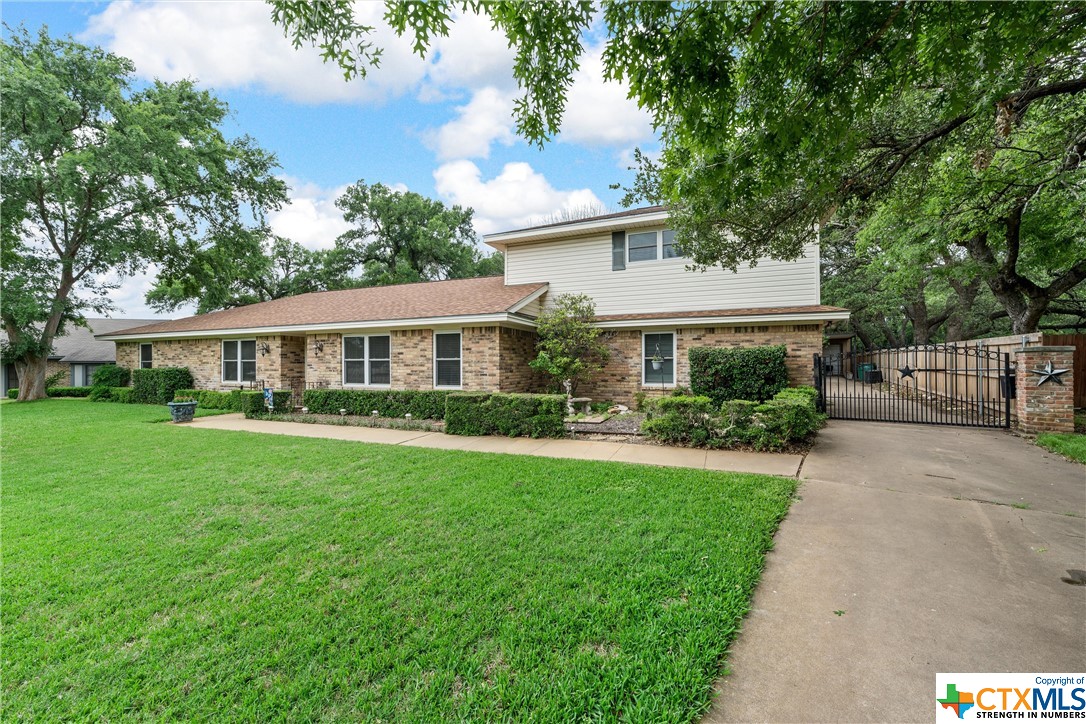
{"x": 367, "y": 360}
{"x": 145, "y": 356}
{"x": 650, "y": 246}
{"x": 239, "y": 360}
{"x": 447, "y": 359}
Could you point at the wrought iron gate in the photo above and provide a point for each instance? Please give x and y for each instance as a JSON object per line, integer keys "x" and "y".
{"x": 933, "y": 384}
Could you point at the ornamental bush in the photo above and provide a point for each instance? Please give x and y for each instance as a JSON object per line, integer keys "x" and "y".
{"x": 789, "y": 417}
{"x": 67, "y": 391}
{"x": 421, "y": 404}
{"x": 745, "y": 373}
{"x": 13, "y": 393}
{"x": 513, "y": 415}
{"x": 252, "y": 402}
{"x": 159, "y": 385}
{"x": 111, "y": 376}
{"x": 213, "y": 399}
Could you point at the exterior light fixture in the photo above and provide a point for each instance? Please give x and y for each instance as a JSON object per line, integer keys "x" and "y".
{"x": 264, "y": 348}
{"x": 318, "y": 346}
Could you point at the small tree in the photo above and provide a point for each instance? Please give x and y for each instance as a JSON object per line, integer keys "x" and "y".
{"x": 569, "y": 346}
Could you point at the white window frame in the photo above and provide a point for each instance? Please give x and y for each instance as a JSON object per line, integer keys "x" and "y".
{"x": 674, "y": 359}
{"x": 659, "y": 247}
{"x": 152, "y": 362}
{"x": 460, "y": 359}
{"x": 365, "y": 360}
{"x": 241, "y": 360}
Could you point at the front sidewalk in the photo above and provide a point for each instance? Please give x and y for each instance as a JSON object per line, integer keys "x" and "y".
{"x": 729, "y": 460}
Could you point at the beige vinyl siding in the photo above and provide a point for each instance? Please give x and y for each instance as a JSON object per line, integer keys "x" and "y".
{"x": 584, "y": 266}
{"x": 532, "y": 308}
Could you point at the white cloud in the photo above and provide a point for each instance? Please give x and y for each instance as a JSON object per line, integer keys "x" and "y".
{"x": 235, "y": 44}
{"x": 472, "y": 55}
{"x": 485, "y": 119}
{"x": 130, "y": 297}
{"x": 598, "y": 112}
{"x": 513, "y": 199}
{"x": 311, "y": 217}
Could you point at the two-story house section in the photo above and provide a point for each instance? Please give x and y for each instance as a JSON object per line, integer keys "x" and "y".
{"x": 479, "y": 334}
{"x": 653, "y": 307}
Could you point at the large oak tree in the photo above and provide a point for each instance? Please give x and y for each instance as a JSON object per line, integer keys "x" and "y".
{"x": 102, "y": 179}
{"x": 773, "y": 116}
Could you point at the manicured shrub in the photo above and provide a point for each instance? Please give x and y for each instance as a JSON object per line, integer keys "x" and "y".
{"x": 159, "y": 385}
{"x": 13, "y": 393}
{"x": 252, "y": 402}
{"x": 213, "y": 399}
{"x": 681, "y": 420}
{"x": 789, "y": 417}
{"x": 121, "y": 394}
{"x": 745, "y": 373}
{"x": 111, "y": 376}
{"x": 420, "y": 404}
{"x": 68, "y": 391}
{"x": 514, "y": 415}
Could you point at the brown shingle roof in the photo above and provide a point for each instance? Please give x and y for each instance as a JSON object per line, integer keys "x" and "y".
{"x": 748, "y": 312}
{"x": 453, "y": 298}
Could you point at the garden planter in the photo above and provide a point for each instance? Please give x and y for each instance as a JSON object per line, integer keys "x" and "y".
{"x": 182, "y": 411}
{"x": 657, "y": 364}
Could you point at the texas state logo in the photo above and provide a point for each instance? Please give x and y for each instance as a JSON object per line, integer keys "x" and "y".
{"x": 1010, "y": 696}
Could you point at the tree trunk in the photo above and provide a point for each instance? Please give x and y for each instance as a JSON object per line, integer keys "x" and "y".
{"x": 31, "y": 373}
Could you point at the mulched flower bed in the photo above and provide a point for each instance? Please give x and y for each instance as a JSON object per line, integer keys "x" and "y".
{"x": 615, "y": 425}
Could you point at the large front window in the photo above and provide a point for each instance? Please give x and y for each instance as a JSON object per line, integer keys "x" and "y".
{"x": 367, "y": 360}
{"x": 447, "y": 359}
{"x": 658, "y": 360}
{"x": 239, "y": 360}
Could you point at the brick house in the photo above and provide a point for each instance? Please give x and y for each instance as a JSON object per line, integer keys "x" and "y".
{"x": 479, "y": 334}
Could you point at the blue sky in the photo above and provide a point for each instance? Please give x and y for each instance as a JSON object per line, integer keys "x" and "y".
{"x": 440, "y": 126}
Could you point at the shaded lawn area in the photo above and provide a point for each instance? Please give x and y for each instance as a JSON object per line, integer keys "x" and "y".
{"x": 155, "y": 571}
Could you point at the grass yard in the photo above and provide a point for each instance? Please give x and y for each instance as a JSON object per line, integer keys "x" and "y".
{"x": 1071, "y": 444}
{"x": 151, "y": 571}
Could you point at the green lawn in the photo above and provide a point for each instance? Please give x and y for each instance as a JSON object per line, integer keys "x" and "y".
{"x": 1070, "y": 444}
{"x": 151, "y": 571}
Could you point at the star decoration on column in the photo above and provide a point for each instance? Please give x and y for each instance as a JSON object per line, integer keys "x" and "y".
{"x": 1048, "y": 373}
{"x": 906, "y": 371}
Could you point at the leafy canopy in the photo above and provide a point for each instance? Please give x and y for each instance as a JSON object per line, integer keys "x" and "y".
{"x": 102, "y": 180}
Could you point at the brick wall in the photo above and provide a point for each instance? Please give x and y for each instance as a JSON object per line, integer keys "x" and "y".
{"x": 413, "y": 359}
{"x": 326, "y": 366}
{"x": 128, "y": 354}
{"x": 1047, "y": 407}
{"x": 203, "y": 357}
{"x": 621, "y": 378}
{"x": 517, "y": 349}
{"x": 480, "y": 365}
{"x": 53, "y": 366}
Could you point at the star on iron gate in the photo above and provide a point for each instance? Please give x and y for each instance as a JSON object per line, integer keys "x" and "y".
{"x": 1048, "y": 373}
{"x": 906, "y": 371}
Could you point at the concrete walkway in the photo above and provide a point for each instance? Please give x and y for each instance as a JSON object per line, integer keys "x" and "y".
{"x": 912, "y": 550}
{"x": 740, "y": 462}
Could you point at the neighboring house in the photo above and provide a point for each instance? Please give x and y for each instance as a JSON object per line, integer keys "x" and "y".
{"x": 479, "y": 334}
{"x": 77, "y": 353}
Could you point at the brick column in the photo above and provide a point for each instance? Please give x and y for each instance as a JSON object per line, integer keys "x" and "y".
{"x": 1045, "y": 406}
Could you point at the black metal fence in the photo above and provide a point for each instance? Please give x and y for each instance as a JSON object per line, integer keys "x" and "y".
{"x": 933, "y": 384}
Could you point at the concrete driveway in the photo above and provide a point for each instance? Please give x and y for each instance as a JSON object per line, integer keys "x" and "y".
{"x": 912, "y": 550}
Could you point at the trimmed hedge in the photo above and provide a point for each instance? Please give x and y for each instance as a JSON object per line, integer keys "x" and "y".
{"x": 159, "y": 385}
{"x": 101, "y": 393}
{"x": 68, "y": 391}
{"x": 745, "y": 373}
{"x": 112, "y": 376}
{"x": 13, "y": 393}
{"x": 252, "y": 402}
{"x": 789, "y": 417}
{"x": 421, "y": 404}
{"x": 213, "y": 399}
{"x": 514, "y": 415}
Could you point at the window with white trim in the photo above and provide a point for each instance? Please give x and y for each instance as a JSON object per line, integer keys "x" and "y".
{"x": 238, "y": 360}
{"x": 447, "y": 359}
{"x": 658, "y": 358}
{"x": 652, "y": 245}
{"x": 367, "y": 360}
{"x": 146, "y": 356}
